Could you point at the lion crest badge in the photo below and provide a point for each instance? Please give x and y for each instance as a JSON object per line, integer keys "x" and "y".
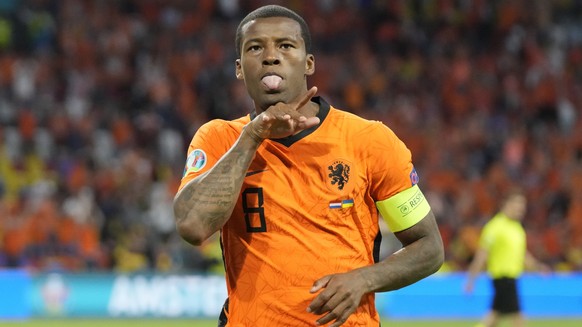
{"x": 339, "y": 174}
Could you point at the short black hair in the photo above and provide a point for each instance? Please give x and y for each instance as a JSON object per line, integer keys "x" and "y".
{"x": 273, "y": 11}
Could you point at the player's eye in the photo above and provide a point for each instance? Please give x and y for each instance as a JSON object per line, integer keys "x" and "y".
{"x": 254, "y": 48}
{"x": 287, "y": 46}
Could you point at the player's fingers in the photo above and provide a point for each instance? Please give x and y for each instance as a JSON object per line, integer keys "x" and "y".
{"x": 320, "y": 283}
{"x": 265, "y": 118}
{"x": 338, "y": 315}
{"x": 310, "y": 93}
{"x": 322, "y": 298}
{"x": 270, "y": 118}
{"x": 332, "y": 303}
{"x": 305, "y": 123}
{"x": 308, "y": 122}
{"x": 340, "y": 321}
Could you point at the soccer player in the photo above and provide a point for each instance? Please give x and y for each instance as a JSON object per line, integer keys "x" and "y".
{"x": 502, "y": 248}
{"x": 295, "y": 188}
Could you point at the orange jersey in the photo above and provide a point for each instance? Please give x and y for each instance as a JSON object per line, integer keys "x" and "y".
{"x": 306, "y": 210}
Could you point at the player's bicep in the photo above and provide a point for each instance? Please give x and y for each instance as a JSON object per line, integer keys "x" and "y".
{"x": 425, "y": 228}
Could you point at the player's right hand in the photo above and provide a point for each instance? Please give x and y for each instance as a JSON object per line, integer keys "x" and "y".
{"x": 282, "y": 119}
{"x": 339, "y": 297}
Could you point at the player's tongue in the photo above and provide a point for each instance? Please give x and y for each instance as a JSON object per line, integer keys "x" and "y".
{"x": 272, "y": 81}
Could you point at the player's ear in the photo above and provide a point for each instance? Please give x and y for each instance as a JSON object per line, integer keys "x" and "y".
{"x": 310, "y": 65}
{"x": 238, "y": 70}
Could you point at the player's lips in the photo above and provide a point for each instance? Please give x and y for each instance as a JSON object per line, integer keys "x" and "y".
{"x": 272, "y": 81}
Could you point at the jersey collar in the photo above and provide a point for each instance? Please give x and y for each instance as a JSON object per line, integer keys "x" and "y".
{"x": 321, "y": 114}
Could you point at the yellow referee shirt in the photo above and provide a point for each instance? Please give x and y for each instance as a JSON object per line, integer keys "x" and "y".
{"x": 505, "y": 241}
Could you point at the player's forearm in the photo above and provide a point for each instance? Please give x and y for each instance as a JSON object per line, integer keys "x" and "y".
{"x": 405, "y": 267}
{"x": 204, "y": 205}
{"x": 415, "y": 261}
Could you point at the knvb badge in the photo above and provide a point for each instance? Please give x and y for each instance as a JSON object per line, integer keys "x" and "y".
{"x": 339, "y": 174}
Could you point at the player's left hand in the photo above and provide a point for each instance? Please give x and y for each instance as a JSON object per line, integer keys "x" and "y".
{"x": 340, "y": 297}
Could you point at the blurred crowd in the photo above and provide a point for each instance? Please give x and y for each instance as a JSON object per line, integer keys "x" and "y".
{"x": 99, "y": 100}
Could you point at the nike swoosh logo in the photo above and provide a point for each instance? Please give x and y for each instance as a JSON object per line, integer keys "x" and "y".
{"x": 251, "y": 173}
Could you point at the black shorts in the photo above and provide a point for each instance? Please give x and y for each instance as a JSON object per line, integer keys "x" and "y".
{"x": 505, "y": 299}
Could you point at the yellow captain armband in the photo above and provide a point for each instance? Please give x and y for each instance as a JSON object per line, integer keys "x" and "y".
{"x": 404, "y": 209}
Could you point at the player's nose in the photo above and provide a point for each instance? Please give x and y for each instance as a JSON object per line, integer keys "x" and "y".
{"x": 271, "y": 56}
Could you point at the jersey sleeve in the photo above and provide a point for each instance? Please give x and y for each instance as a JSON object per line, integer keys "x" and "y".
{"x": 394, "y": 181}
{"x": 390, "y": 169}
{"x": 205, "y": 149}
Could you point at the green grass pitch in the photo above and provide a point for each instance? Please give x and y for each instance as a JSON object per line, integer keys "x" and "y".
{"x": 212, "y": 323}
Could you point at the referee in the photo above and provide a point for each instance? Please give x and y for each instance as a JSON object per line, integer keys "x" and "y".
{"x": 502, "y": 247}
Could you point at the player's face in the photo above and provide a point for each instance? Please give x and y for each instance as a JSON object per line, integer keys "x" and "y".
{"x": 273, "y": 63}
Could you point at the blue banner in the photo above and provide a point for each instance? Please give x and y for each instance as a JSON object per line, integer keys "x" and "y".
{"x": 108, "y": 295}
{"x": 14, "y": 286}
{"x": 442, "y": 296}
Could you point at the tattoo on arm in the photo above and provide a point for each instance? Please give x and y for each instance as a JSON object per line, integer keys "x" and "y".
{"x": 207, "y": 201}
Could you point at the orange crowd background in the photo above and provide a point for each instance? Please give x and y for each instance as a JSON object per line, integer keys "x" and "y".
{"x": 99, "y": 100}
